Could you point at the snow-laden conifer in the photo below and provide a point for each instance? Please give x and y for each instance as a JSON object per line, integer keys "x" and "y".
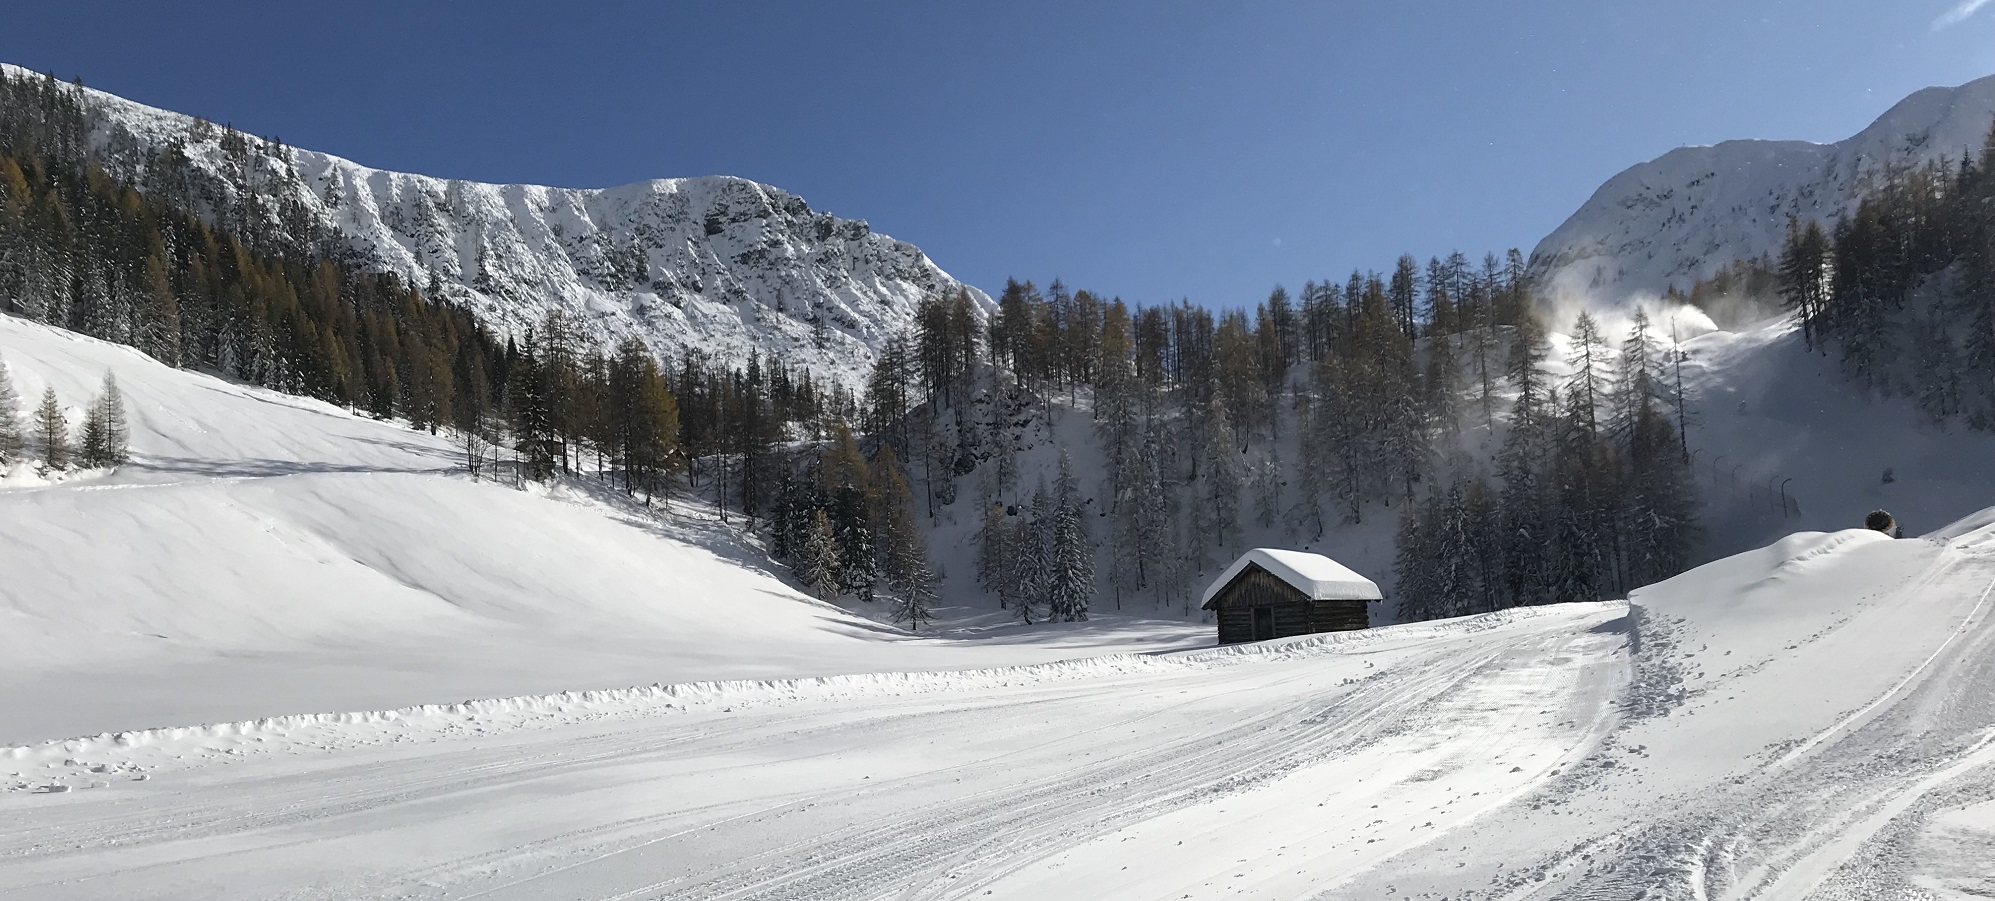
{"x": 907, "y": 571}
{"x": 818, "y": 560}
{"x": 1071, "y": 585}
{"x": 12, "y": 441}
{"x": 994, "y": 553}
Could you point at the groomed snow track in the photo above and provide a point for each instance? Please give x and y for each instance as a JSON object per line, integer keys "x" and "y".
{"x": 918, "y": 785}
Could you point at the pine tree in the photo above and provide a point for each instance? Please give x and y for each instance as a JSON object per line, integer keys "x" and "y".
{"x": 12, "y": 442}
{"x": 1936, "y": 379}
{"x": 1143, "y": 524}
{"x": 640, "y": 421}
{"x": 907, "y": 572}
{"x": 1442, "y": 387}
{"x": 1482, "y": 521}
{"x": 1217, "y": 513}
{"x": 1116, "y": 401}
{"x": 1404, "y": 290}
{"x": 93, "y": 439}
{"x": 819, "y": 557}
{"x": 52, "y": 431}
{"x": 1638, "y": 375}
{"x": 1804, "y": 276}
{"x": 1413, "y": 563}
{"x": 1452, "y": 582}
{"x": 848, "y": 488}
{"x": 531, "y": 413}
{"x": 106, "y": 434}
{"x": 790, "y": 521}
{"x": 1341, "y": 456}
{"x": 1072, "y": 579}
{"x": 1660, "y": 505}
{"x": 1481, "y": 349}
{"x": 1267, "y": 484}
{"x": 1522, "y": 370}
{"x": 1522, "y": 510}
{"x": 1241, "y": 387}
{"x": 1587, "y": 385}
{"x": 1031, "y": 566}
{"x": 994, "y": 554}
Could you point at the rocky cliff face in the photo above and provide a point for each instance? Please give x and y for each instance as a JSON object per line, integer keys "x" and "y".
{"x": 716, "y": 265}
{"x": 1681, "y": 216}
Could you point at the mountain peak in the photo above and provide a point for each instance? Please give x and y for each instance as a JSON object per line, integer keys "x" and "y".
{"x": 1683, "y": 215}
{"x": 718, "y": 265}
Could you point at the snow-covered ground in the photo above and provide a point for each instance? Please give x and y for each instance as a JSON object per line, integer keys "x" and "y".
{"x": 274, "y": 618}
{"x": 1814, "y": 719}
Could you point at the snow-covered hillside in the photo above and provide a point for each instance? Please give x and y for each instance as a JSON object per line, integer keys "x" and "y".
{"x": 719, "y": 265}
{"x": 266, "y": 554}
{"x": 1681, "y": 216}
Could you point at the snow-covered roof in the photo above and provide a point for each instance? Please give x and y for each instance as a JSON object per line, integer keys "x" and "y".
{"x": 1315, "y": 575}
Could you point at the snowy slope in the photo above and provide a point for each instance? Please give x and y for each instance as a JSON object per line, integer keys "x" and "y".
{"x": 267, "y": 554}
{"x": 1809, "y": 720}
{"x": 721, "y": 265}
{"x": 1771, "y": 419}
{"x": 1681, "y": 216}
{"x": 1768, "y": 412}
{"x": 1814, "y": 719}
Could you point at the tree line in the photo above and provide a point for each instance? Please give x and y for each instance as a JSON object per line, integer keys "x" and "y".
{"x": 1591, "y": 494}
{"x": 847, "y": 526}
{"x": 1903, "y": 288}
{"x": 1370, "y": 382}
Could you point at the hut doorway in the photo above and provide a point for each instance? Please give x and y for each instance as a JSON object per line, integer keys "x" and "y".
{"x": 1264, "y": 623}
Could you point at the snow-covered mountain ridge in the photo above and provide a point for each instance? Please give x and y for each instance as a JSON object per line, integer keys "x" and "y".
{"x": 720, "y": 265}
{"x": 1685, "y": 214}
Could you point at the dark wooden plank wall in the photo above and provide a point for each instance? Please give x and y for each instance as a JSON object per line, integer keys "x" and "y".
{"x": 1236, "y": 624}
{"x": 1340, "y": 616}
{"x": 1256, "y": 587}
{"x": 1292, "y": 619}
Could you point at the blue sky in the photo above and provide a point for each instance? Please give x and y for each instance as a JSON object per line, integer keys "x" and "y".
{"x": 1151, "y": 150}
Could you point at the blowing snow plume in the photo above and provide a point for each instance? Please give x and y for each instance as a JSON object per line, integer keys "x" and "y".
{"x": 1958, "y": 14}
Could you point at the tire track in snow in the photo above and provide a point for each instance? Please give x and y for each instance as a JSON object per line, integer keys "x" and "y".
{"x": 955, "y": 849}
{"x": 285, "y": 801}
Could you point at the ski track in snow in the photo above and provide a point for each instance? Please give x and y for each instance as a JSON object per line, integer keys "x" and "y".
{"x": 840, "y": 798}
{"x": 1845, "y": 814}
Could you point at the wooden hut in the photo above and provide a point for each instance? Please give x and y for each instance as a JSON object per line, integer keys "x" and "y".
{"x": 1270, "y": 593}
